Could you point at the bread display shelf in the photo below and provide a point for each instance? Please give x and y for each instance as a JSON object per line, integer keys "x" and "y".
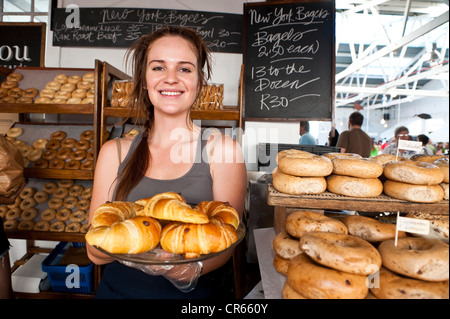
{"x": 47, "y": 235}
{"x": 33, "y": 172}
{"x": 47, "y": 108}
{"x": 329, "y": 200}
{"x": 227, "y": 114}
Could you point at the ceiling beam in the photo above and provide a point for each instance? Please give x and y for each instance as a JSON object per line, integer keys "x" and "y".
{"x": 360, "y": 63}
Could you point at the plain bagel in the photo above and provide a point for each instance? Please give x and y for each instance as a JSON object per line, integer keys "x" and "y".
{"x": 393, "y": 286}
{"x": 297, "y": 185}
{"x": 370, "y": 229}
{"x": 356, "y": 167}
{"x": 354, "y": 186}
{"x": 300, "y": 222}
{"x": 420, "y": 258}
{"x": 442, "y": 163}
{"x": 300, "y": 163}
{"x": 425, "y": 158}
{"x": 342, "y": 252}
{"x": 314, "y": 281}
{"x": 411, "y": 172}
{"x": 413, "y": 193}
{"x": 285, "y": 246}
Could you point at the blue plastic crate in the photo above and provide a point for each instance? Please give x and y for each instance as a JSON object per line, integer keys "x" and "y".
{"x": 58, "y": 274}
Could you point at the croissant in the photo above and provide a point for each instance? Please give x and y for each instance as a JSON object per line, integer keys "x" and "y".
{"x": 131, "y": 236}
{"x": 217, "y": 235}
{"x": 171, "y": 206}
{"x": 110, "y": 213}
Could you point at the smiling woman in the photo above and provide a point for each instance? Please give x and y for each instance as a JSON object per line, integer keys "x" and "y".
{"x": 169, "y": 156}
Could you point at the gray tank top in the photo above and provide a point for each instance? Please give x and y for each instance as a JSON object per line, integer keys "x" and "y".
{"x": 195, "y": 186}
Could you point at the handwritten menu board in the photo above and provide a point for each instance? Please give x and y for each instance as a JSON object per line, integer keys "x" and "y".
{"x": 22, "y": 44}
{"x": 289, "y": 60}
{"x": 120, "y": 27}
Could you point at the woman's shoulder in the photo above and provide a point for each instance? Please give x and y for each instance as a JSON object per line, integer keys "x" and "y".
{"x": 223, "y": 148}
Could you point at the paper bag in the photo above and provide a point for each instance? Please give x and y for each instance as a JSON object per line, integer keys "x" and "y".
{"x": 11, "y": 171}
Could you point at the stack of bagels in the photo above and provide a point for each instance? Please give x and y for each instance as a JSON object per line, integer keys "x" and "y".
{"x": 354, "y": 176}
{"x": 65, "y": 89}
{"x": 416, "y": 180}
{"x": 301, "y": 172}
{"x": 355, "y": 258}
{"x": 422, "y": 179}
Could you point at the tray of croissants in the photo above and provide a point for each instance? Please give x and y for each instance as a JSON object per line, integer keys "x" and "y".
{"x": 164, "y": 229}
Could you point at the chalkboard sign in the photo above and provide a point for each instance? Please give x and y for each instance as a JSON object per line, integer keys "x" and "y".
{"x": 22, "y": 44}
{"x": 120, "y": 27}
{"x": 289, "y": 60}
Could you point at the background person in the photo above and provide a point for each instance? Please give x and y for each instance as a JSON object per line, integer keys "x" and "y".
{"x": 306, "y": 138}
{"x": 355, "y": 140}
{"x": 400, "y": 133}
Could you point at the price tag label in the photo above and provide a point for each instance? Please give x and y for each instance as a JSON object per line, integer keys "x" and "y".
{"x": 413, "y": 225}
{"x": 409, "y": 145}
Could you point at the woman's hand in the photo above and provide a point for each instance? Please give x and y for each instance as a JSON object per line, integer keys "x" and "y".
{"x": 182, "y": 276}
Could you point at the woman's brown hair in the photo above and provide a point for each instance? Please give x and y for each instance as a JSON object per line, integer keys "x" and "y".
{"x": 136, "y": 167}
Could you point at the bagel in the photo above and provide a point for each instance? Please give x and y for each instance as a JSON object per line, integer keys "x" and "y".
{"x": 29, "y": 214}
{"x": 8, "y": 99}
{"x": 425, "y": 158}
{"x": 90, "y": 76}
{"x": 14, "y": 132}
{"x": 411, "y": 172}
{"x": 48, "y": 214}
{"x": 27, "y": 192}
{"x": 50, "y": 93}
{"x": 79, "y": 93}
{"x": 281, "y": 264}
{"x": 49, "y": 154}
{"x": 342, "y": 252}
{"x": 43, "y": 100}
{"x": 58, "y": 135}
{"x": 68, "y": 143}
{"x": 356, "y": 167}
{"x": 13, "y": 214}
{"x": 413, "y": 193}
{"x": 297, "y": 185}
{"x": 289, "y": 293}
{"x": 16, "y": 77}
{"x": 40, "y": 197}
{"x": 444, "y": 187}
{"x": 56, "y": 163}
{"x": 40, "y": 143}
{"x": 30, "y": 92}
{"x": 68, "y": 87}
{"x": 442, "y": 163}
{"x": 57, "y": 226}
{"x": 299, "y": 223}
{"x": 9, "y": 84}
{"x": 385, "y": 158}
{"x": 42, "y": 226}
{"x": 84, "y": 85}
{"x": 285, "y": 246}
{"x": 63, "y": 95}
{"x": 15, "y": 92}
{"x": 61, "y": 78}
{"x": 74, "y": 79}
{"x": 49, "y": 187}
{"x": 26, "y": 225}
{"x": 53, "y": 85}
{"x": 87, "y": 100}
{"x": 314, "y": 281}
{"x": 370, "y": 229}
{"x": 300, "y": 163}
{"x": 83, "y": 145}
{"x": 354, "y": 186}
{"x": 74, "y": 100}
{"x": 393, "y": 286}
{"x": 87, "y": 135}
{"x": 419, "y": 258}
{"x": 335, "y": 154}
{"x": 34, "y": 155}
{"x": 24, "y": 100}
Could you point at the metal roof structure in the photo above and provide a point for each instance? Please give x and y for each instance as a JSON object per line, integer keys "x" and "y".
{"x": 388, "y": 51}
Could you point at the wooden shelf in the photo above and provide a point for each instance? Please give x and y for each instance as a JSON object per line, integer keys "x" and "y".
{"x": 228, "y": 114}
{"x": 33, "y": 172}
{"x": 47, "y": 108}
{"x": 328, "y": 200}
{"x": 46, "y": 235}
